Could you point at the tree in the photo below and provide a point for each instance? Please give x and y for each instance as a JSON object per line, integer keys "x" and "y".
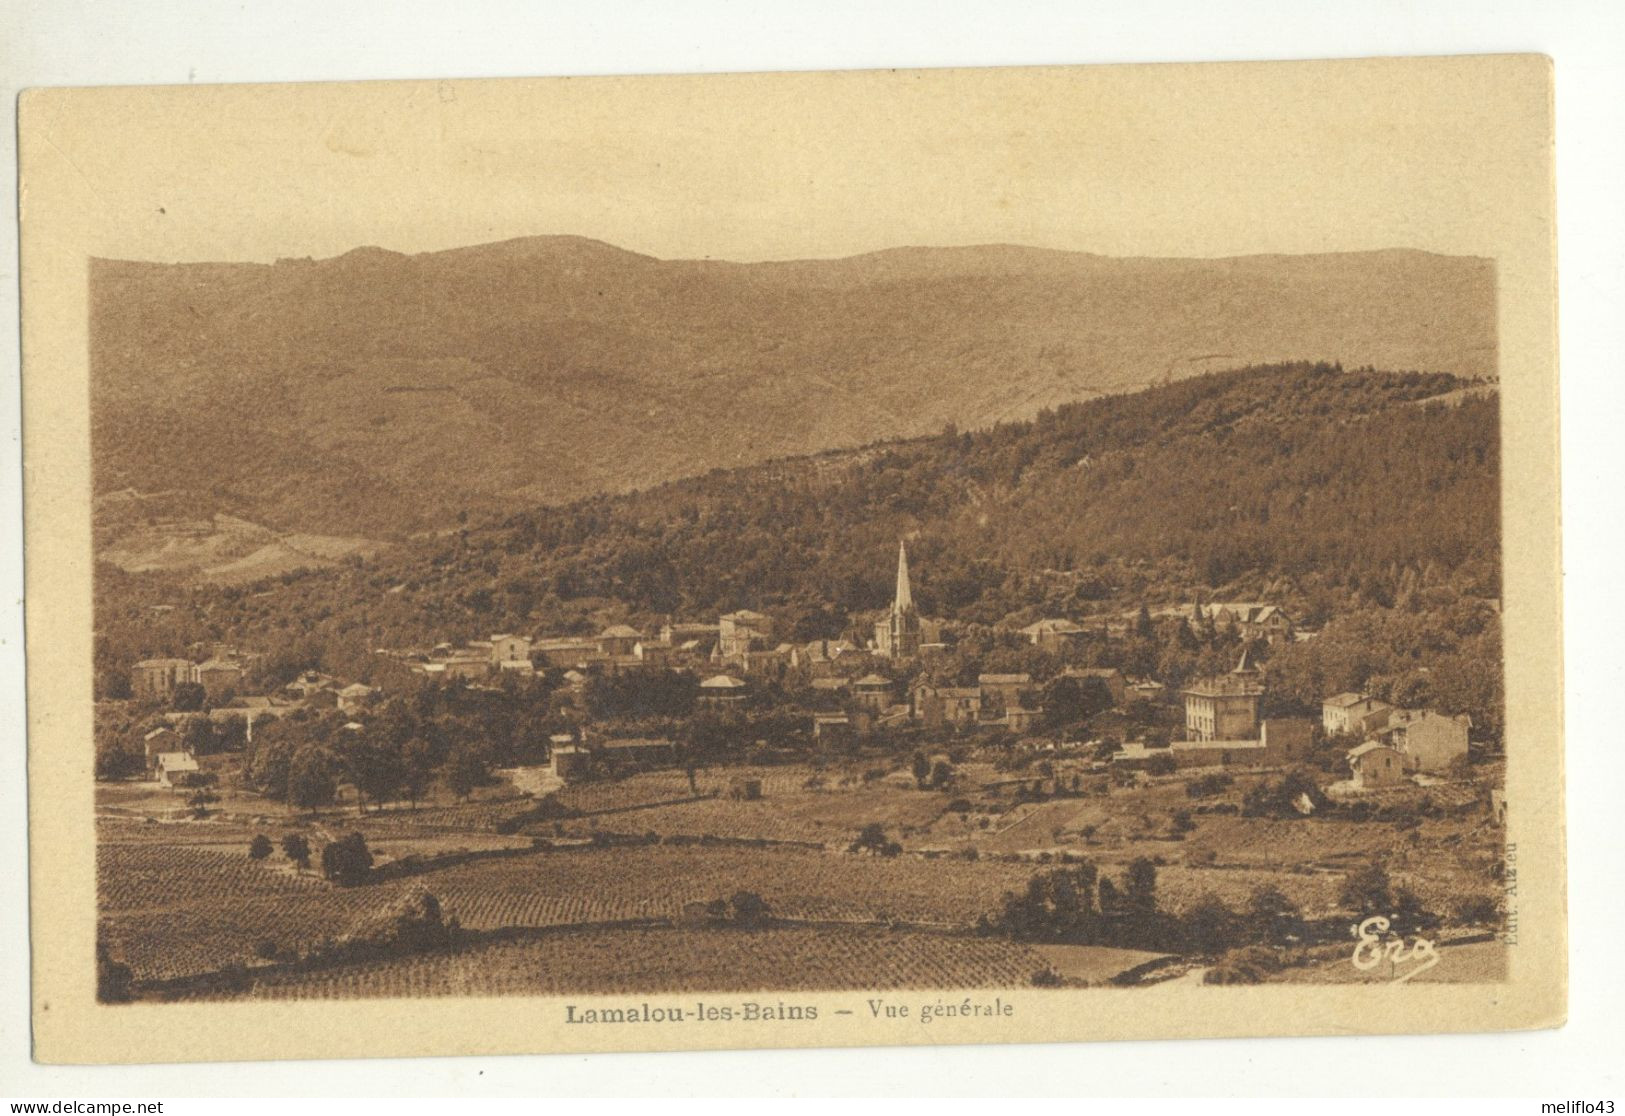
{"x": 1368, "y": 891}
{"x": 1142, "y": 623}
{"x": 297, "y": 849}
{"x": 942, "y": 774}
{"x": 269, "y": 764}
{"x": 872, "y": 839}
{"x": 465, "y": 771}
{"x": 347, "y": 861}
{"x": 260, "y": 847}
{"x": 310, "y": 779}
{"x": 115, "y": 761}
{"x": 1274, "y": 917}
{"x": 200, "y": 800}
{"x": 1140, "y": 885}
{"x": 417, "y": 761}
{"x": 375, "y": 769}
{"x": 188, "y": 697}
{"x": 920, "y": 765}
{"x": 197, "y": 736}
{"x": 1057, "y": 905}
{"x": 1069, "y": 700}
{"x": 1210, "y": 926}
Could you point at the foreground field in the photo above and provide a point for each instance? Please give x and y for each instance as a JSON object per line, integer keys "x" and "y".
{"x": 180, "y": 897}
{"x": 644, "y": 961}
{"x": 179, "y": 910}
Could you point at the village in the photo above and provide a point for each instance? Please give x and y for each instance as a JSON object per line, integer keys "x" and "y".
{"x": 738, "y": 656}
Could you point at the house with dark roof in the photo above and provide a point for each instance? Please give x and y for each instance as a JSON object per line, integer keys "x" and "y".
{"x": 723, "y": 690}
{"x": 618, "y": 639}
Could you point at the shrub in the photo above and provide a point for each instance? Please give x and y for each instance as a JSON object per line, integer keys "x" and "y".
{"x": 260, "y": 847}
{"x": 1046, "y": 978}
{"x": 1274, "y": 917}
{"x": 748, "y": 909}
{"x": 296, "y": 849}
{"x": 1209, "y": 926}
{"x": 1162, "y": 764}
{"x": 1233, "y": 972}
{"x": 1367, "y": 891}
{"x": 266, "y": 949}
{"x": 1209, "y": 785}
{"x": 872, "y": 839}
{"x": 1477, "y": 910}
{"x": 1244, "y": 966}
{"x": 1410, "y": 915}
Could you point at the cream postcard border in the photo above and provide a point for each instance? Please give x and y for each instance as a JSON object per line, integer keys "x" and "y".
{"x": 60, "y": 203}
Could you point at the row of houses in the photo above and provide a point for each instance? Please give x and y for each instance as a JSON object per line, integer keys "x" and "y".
{"x": 1395, "y": 743}
{"x": 1223, "y": 727}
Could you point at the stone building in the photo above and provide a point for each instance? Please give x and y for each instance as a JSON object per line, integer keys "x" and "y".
{"x": 508, "y": 648}
{"x": 740, "y": 632}
{"x": 1376, "y": 765}
{"x": 1053, "y": 634}
{"x": 873, "y": 692}
{"x": 1225, "y": 706}
{"x": 1350, "y": 714}
{"x": 156, "y": 679}
{"x": 1429, "y": 741}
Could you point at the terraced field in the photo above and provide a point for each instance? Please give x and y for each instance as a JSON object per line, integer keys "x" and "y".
{"x": 643, "y": 961}
{"x": 656, "y": 881}
{"x": 152, "y": 876}
{"x": 171, "y": 911}
{"x": 787, "y": 811}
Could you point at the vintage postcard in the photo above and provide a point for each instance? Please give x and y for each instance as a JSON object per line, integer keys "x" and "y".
{"x": 792, "y": 559}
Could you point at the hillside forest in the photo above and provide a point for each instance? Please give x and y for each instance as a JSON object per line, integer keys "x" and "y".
{"x": 1364, "y": 502}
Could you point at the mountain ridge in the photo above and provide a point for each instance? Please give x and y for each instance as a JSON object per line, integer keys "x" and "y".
{"x": 380, "y": 393}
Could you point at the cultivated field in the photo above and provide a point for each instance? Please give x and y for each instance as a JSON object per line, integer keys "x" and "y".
{"x": 181, "y": 898}
{"x": 644, "y": 961}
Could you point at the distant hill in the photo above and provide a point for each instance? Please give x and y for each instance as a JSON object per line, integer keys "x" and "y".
{"x": 377, "y": 394}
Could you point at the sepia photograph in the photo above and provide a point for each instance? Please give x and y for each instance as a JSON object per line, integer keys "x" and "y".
{"x": 816, "y": 550}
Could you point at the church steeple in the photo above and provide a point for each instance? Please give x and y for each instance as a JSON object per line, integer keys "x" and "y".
{"x": 905, "y": 598}
{"x": 897, "y": 635}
